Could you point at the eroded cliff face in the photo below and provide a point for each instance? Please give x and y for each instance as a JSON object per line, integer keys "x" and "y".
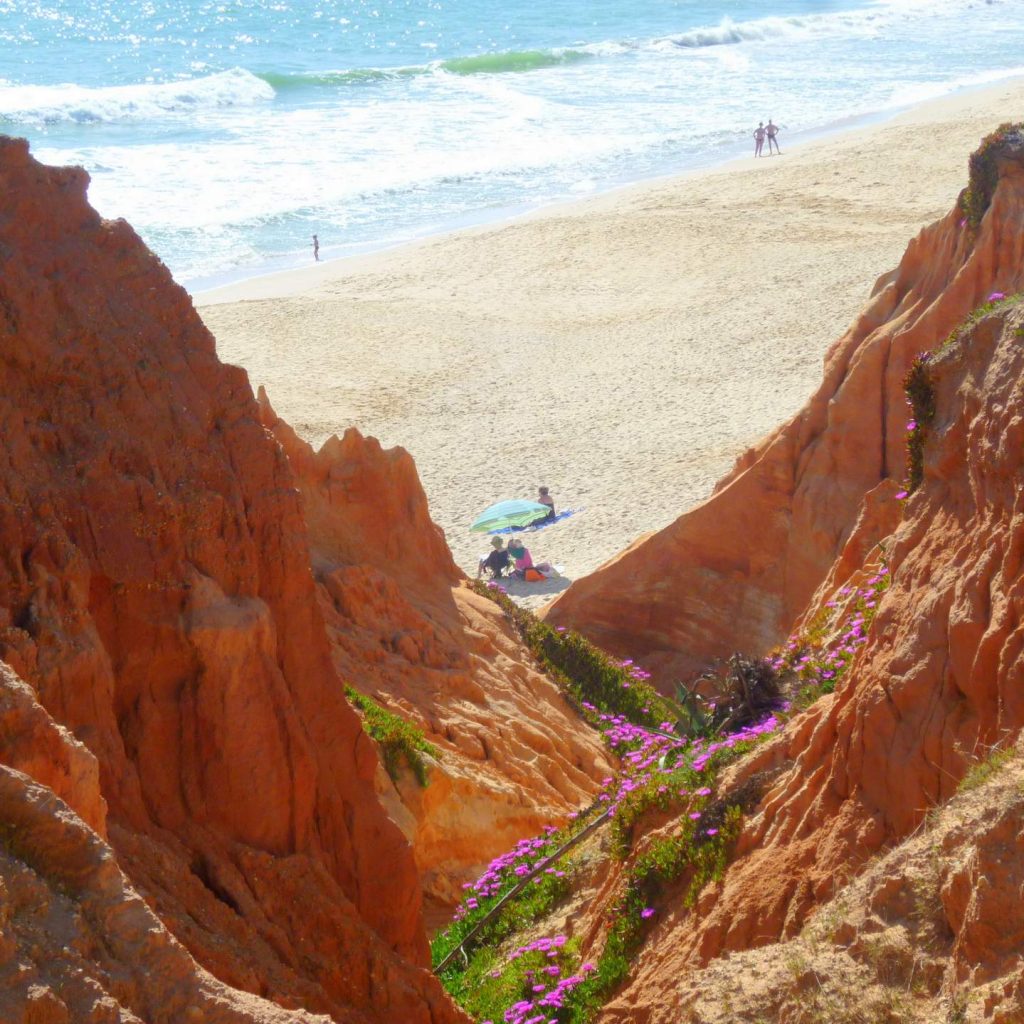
{"x": 930, "y": 931}
{"x": 735, "y": 572}
{"x": 156, "y": 596}
{"x": 405, "y": 629}
{"x": 77, "y": 943}
{"x": 936, "y": 687}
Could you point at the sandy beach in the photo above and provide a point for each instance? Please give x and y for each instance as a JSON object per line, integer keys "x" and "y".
{"x": 622, "y": 350}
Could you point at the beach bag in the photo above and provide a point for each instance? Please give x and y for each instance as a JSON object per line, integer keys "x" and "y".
{"x": 533, "y": 576}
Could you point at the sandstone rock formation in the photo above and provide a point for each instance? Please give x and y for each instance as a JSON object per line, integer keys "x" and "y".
{"x": 406, "y": 630}
{"x": 156, "y": 594}
{"x": 935, "y": 689}
{"x": 736, "y": 571}
{"x": 76, "y": 942}
{"x": 931, "y": 931}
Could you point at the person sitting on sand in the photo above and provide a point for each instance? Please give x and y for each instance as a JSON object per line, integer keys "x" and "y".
{"x": 524, "y": 560}
{"x": 497, "y": 562}
{"x": 545, "y": 499}
{"x": 771, "y": 131}
{"x": 759, "y": 138}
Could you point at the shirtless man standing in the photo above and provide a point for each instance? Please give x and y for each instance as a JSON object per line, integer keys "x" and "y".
{"x": 771, "y": 131}
{"x": 758, "y": 138}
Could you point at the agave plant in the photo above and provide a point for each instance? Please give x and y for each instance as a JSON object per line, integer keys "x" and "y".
{"x": 746, "y": 690}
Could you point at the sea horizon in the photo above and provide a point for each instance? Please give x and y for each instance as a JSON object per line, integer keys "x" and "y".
{"x": 229, "y": 136}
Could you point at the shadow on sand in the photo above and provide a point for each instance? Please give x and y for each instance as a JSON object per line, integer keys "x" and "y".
{"x": 542, "y": 588}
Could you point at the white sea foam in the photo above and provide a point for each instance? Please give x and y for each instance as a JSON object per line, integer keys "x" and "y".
{"x": 918, "y": 92}
{"x": 221, "y": 169}
{"x": 51, "y": 104}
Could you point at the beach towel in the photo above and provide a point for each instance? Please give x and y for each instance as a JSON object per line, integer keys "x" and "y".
{"x": 534, "y": 527}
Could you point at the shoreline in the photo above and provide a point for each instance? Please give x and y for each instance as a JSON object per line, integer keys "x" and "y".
{"x": 287, "y": 281}
{"x": 623, "y": 348}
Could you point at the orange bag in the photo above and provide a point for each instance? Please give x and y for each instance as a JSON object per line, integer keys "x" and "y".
{"x": 533, "y": 576}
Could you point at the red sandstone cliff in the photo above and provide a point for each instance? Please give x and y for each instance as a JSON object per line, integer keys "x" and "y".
{"x": 76, "y": 942}
{"x": 736, "y": 571}
{"x": 815, "y": 918}
{"x": 156, "y": 594}
{"x": 407, "y": 631}
{"x": 937, "y": 687}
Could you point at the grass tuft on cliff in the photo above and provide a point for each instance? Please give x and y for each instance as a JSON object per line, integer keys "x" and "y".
{"x": 400, "y": 741}
{"x": 585, "y": 673}
{"x": 983, "y": 173}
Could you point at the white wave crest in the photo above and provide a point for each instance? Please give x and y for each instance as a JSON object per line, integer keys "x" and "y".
{"x": 868, "y": 21}
{"x": 51, "y": 104}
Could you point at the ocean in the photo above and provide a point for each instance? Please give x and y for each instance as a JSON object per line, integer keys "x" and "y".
{"x": 229, "y": 131}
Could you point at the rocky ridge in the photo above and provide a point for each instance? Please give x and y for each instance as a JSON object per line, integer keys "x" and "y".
{"x": 738, "y": 570}
{"x": 878, "y": 851}
{"x": 186, "y": 587}
{"x": 934, "y": 690}
{"x": 407, "y": 630}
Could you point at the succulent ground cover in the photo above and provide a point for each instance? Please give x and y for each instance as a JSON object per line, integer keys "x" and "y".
{"x": 401, "y": 742}
{"x": 499, "y": 979}
{"x": 546, "y": 979}
{"x": 669, "y": 753}
{"x": 817, "y": 656}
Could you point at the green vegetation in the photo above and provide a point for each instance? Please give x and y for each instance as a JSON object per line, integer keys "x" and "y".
{"x": 502, "y": 877}
{"x": 476, "y": 957}
{"x": 978, "y": 774}
{"x": 814, "y": 660}
{"x": 491, "y": 984}
{"x": 983, "y": 172}
{"x": 921, "y": 398}
{"x": 684, "y": 787}
{"x": 584, "y": 673}
{"x": 996, "y": 301}
{"x": 400, "y": 741}
{"x": 697, "y": 851}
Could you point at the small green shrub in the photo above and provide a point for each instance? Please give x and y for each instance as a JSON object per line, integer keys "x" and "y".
{"x": 978, "y": 774}
{"x": 400, "y": 741}
{"x": 921, "y": 398}
{"x": 746, "y": 691}
{"x": 983, "y": 172}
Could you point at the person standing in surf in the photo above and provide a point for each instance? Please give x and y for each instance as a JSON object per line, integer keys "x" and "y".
{"x": 771, "y": 131}
{"x": 316, "y": 249}
{"x": 759, "y": 138}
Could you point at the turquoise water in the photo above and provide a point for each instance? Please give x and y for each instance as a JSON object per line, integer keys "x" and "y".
{"x": 228, "y": 132}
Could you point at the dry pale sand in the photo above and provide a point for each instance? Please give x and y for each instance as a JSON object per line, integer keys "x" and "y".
{"x": 622, "y": 350}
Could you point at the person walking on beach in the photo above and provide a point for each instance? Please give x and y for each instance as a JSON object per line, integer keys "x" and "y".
{"x": 771, "y": 131}
{"x": 759, "y": 138}
{"x": 316, "y": 249}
